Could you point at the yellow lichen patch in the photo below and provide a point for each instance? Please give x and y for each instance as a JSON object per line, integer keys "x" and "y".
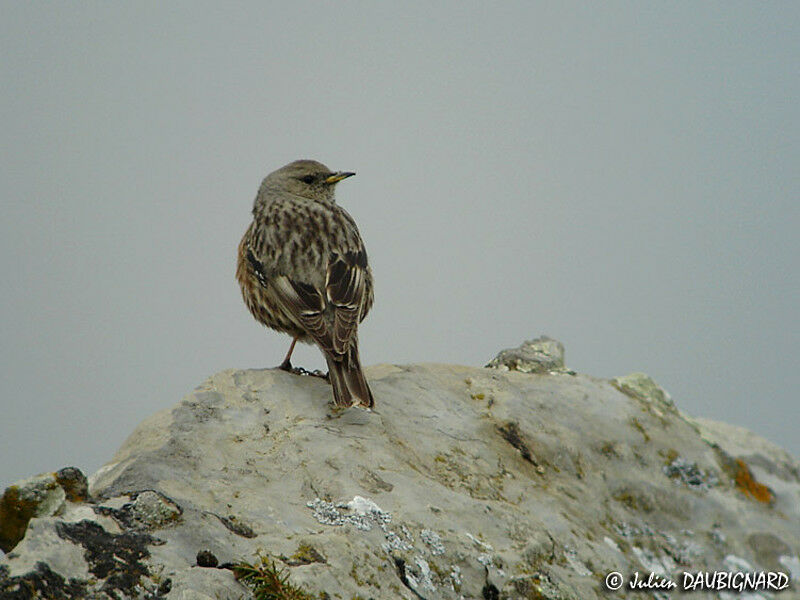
{"x": 529, "y": 588}
{"x": 363, "y": 582}
{"x": 747, "y": 484}
{"x": 633, "y": 501}
{"x": 15, "y": 513}
{"x": 35, "y": 497}
{"x": 669, "y": 455}
{"x": 457, "y": 470}
{"x": 304, "y": 555}
{"x": 355, "y": 577}
{"x": 637, "y": 425}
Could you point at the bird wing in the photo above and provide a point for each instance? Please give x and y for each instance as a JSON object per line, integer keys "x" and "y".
{"x": 307, "y": 305}
{"x": 301, "y": 300}
{"x": 345, "y": 288}
{"x": 346, "y": 282}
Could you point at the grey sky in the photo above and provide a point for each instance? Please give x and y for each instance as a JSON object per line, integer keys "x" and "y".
{"x": 620, "y": 176}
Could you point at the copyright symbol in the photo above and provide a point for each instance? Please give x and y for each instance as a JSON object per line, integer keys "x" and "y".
{"x": 614, "y": 580}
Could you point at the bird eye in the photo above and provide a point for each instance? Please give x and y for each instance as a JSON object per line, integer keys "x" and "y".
{"x": 307, "y": 179}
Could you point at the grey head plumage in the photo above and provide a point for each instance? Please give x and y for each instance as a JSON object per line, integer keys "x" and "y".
{"x": 304, "y": 178}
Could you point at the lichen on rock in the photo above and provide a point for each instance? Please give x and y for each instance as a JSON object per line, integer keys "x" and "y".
{"x": 540, "y": 355}
{"x": 145, "y": 510}
{"x": 38, "y": 496}
{"x": 642, "y": 387}
{"x": 463, "y": 483}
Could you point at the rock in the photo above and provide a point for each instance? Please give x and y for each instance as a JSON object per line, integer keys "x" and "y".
{"x": 642, "y": 387}
{"x": 690, "y": 474}
{"x": 207, "y": 559}
{"x": 74, "y": 483}
{"x": 39, "y": 496}
{"x": 542, "y": 355}
{"x": 462, "y": 483}
{"x": 142, "y": 511}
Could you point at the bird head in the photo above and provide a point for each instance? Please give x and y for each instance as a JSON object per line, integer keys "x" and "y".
{"x": 306, "y": 178}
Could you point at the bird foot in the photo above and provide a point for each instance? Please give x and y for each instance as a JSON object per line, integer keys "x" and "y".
{"x": 287, "y": 366}
{"x": 315, "y": 373}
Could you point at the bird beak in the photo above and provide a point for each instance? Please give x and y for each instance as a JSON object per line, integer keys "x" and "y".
{"x": 337, "y": 177}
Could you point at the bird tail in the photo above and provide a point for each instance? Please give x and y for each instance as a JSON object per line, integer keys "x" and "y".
{"x": 348, "y": 381}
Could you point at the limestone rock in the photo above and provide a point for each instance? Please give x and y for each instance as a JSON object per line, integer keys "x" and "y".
{"x": 542, "y": 355}
{"x": 39, "y": 496}
{"x": 462, "y": 483}
{"x": 143, "y": 510}
{"x": 642, "y": 387}
{"x": 74, "y": 483}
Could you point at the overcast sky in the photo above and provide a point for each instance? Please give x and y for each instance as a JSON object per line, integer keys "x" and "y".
{"x": 620, "y": 176}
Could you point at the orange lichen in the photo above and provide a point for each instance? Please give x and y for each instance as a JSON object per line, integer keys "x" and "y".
{"x": 749, "y": 486}
{"x": 15, "y": 513}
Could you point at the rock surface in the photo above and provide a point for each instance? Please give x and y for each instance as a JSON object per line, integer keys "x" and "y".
{"x": 463, "y": 483}
{"x": 40, "y": 496}
{"x": 542, "y": 355}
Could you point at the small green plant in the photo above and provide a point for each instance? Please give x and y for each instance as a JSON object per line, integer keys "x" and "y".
{"x": 269, "y": 581}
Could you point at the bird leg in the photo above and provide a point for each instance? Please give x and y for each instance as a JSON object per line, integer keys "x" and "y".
{"x": 286, "y": 365}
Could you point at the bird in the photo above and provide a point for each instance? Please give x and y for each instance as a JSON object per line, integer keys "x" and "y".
{"x": 302, "y": 268}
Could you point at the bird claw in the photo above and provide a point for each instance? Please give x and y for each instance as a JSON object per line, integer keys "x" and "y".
{"x": 287, "y": 366}
{"x": 315, "y": 373}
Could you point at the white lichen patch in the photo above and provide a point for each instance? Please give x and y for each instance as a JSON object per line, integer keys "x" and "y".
{"x": 692, "y": 476}
{"x": 684, "y": 552}
{"x": 649, "y": 561}
{"x": 455, "y": 576}
{"x": 418, "y": 575}
{"x": 628, "y": 530}
{"x": 485, "y": 559}
{"x": 407, "y": 534}
{"x": 717, "y": 536}
{"x": 479, "y": 543}
{"x": 153, "y": 509}
{"x": 360, "y": 512}
{"x": 433, "y": 540}
{"x": 394, "y": 542}
{"x": 363, "y": 514}
{"x": 575, "y": 563}
{"x": 611, "y": 543}
{"x": 735, "y": 563}
{"x": 425, "y": 580}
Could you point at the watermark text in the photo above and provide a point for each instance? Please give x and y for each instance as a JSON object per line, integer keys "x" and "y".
{"x": 738, "y": 581}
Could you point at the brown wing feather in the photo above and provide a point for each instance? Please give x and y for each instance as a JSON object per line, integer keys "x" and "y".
{"x": 307, "y": 305}
{"x": 344, "y": 292}
{"x": 345, "y": 289}
{"x": 303, "y": 301}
